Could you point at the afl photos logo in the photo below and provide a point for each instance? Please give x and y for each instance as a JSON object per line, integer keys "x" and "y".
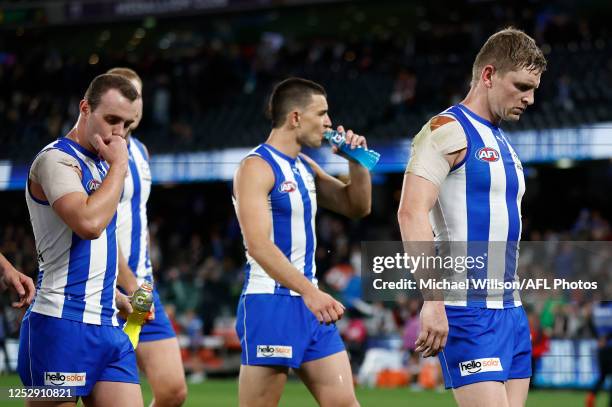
{"x": 487, "y": 154}
{"x": 287, "y": 186}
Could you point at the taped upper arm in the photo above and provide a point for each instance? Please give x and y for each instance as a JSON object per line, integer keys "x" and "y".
{"x": 429, "y": 158}
{"x": 57, "y": 173}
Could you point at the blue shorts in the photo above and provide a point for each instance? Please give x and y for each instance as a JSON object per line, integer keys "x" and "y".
{"x": 157, "y": 329}
{"x": 486, "y": 345}
{"x": 61, "y": 352}
{"x": 279, "y": 330}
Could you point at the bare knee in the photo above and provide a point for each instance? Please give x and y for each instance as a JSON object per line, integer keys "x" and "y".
{"x": 259, "y": 396}
{"x": 171, "y": 395}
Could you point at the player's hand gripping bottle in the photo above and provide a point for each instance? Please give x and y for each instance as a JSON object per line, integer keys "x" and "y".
{"x": 142, "y": 300}
{"x": 365, "y": 157}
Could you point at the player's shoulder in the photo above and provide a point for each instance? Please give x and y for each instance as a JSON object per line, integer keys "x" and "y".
{"x": 439, "y": 126}
{"x": 441, "y": 120}
{"x": 254, "y": 173}
{"x": 442, "y": 133}
{"x": 53, "y": 161}
{"x": 140, "y": 146}
{"x": 443, "y": 125}
{"x": 259, "y": 157}
{"x": 52, "y": 155}
{"x": 255, "y": 165}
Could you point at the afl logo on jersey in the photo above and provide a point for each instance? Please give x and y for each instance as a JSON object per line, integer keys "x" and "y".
{"x": 92, "y": 185}
{"x": 287, "y": 186}
{"x": 487, "y": 154}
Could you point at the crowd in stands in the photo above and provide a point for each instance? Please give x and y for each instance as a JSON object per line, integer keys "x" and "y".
{"x": 197, "y": 255}
{"x": 206, "y": 78}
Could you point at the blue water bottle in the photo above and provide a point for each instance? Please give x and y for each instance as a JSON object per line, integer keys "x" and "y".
{"x": 361, "y": 155}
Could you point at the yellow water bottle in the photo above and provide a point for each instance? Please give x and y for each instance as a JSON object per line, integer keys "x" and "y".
{"x": 142, "y": 300}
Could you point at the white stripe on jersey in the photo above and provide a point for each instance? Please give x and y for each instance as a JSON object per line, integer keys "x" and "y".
{"x": 134, "y": 244}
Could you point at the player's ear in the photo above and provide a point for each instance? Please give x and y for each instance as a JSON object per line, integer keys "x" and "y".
{"x": 84, "y": 107}
{"x": 487, "y": 74}
{"x": 293, "y": 118}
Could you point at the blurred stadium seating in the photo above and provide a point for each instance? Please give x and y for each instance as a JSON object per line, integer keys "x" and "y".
{"x": 206, "y": 77}
{"x": 387, "y": 67}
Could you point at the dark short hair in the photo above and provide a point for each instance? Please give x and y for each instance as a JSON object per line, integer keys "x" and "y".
{"x": 289, "y": 94}
{"x": 105, "y": 82}
{"x": 509, "y": 50}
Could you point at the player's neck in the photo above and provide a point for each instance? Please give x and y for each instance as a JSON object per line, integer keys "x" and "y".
{"x": 77, "y": 134}
{"x": 476, "y": 101}
{"x": 285, "y": 142}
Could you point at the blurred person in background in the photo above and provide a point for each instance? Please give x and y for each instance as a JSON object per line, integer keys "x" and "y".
{"x": 602, "y": 322}
{"x": 15, "y": 281}
{"x": 284, "y": 320}
{"x": 410, "y": 334}
{"x": 540, "y": 342}
{"x": 158, "y": 352}
{"x": 23, "y": 286}
{"x": 464, "y": 183}
{"x": 3, "y": 336}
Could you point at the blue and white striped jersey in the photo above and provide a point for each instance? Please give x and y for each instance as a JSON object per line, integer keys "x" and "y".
{"x": 132, "y": 224}
{"x": 480, "y": 201}
{"x": 293, "y": 207}
{"x": 76, "y": 278}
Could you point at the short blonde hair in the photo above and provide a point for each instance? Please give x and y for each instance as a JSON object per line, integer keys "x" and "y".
{"x": 127, "y": 73}
{"x": 509, "y": 50}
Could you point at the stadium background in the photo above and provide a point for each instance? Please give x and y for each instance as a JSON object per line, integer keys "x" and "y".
{"x": 388, "y": 66}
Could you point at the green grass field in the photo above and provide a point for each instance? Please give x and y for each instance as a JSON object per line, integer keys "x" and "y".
{"x": 221, "y": 393}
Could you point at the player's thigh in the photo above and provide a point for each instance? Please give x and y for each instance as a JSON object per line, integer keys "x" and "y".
{"x": 481, "y": 394}
{"x": 114, "y": 394}
{"x": 516, "y": 390}
{"x": 330, "y": 380}
{"x": 261, "y": 386}
{"x": 162, "y": 365}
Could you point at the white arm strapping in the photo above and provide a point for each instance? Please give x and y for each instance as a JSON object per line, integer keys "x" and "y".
{"x": 429, "y": 150}
{"x": 57, "y": 173}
